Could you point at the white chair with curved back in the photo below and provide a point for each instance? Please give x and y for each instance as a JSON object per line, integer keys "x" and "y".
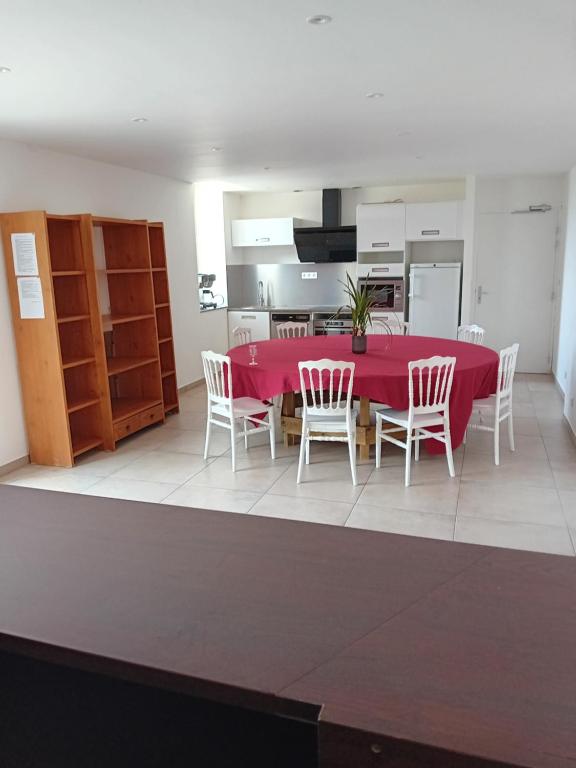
{"x": 230, "y": 410}
{"x": 429, "y": 387}
{"x": 498, "y": 407}
{"x": 292, "y": 330}
{"x": 327, "y": 413}
{"x": 473, "y": 334}
{"x": 241, "y": 336}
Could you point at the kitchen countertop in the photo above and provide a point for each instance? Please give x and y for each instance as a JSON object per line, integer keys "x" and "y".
{"x": 292, "y": 309}
{"x": 399, "y": 650}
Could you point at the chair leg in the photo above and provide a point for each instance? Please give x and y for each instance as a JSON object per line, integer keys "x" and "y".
{"x": 449, "y": 455}
{"x": 308, "y": 451}
{"x": 301, "y": 456}
{"x": 233, "y": 442}
{"x": 511, "y": 432}
{"x": 378, "y": 442}
{"x": 208, "y": 430}
{"x": 497, "y": 441}
{"x": 272, "y": 433}
{"x": 408, "y": 457}
{"x": 246, "y": 434}
{"x": 465, "y": 436}
{"x": 352, "y": 452}
{"x": 416, "y": 446}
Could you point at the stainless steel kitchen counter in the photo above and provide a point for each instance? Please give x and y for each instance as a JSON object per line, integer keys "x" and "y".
{"x": 254, "y": 308}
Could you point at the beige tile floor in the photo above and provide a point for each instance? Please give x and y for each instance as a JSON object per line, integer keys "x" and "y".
{"x": 528, "y": 502}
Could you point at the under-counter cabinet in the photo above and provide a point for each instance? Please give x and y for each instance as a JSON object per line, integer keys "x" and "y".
{"x": 257, "y": 322}
{"x": 248, "y": 233}
{"x": 434, "y": 221}
{"x": 380, "y": 227}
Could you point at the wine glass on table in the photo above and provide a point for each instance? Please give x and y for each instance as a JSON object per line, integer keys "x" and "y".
{"x": 253, "y": 350}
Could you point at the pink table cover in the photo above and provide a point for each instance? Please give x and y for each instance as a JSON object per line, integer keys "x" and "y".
{"x": 381, "y": 374}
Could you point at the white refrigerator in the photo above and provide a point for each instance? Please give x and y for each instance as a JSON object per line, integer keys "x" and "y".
{"x": 434, "y": 300}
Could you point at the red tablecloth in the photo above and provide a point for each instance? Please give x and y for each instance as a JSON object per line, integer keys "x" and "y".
{"x": 381, "y": 374}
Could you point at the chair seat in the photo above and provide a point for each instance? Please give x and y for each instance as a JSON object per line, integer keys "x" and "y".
{"x": 401, "y": 418}
{"x": 243, "y": 406}
{"x": 325, "y": 423}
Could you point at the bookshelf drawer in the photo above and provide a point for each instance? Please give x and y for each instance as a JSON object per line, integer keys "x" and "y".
{"x": 138, "y": 421}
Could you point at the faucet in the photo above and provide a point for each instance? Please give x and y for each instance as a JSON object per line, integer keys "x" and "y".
{"x": 260, "y": 293}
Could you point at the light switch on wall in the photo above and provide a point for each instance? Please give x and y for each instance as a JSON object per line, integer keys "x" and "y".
{"x": 309, "y": 275}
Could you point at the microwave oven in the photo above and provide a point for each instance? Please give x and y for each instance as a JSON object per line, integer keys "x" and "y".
{"x": 388, "y": 292}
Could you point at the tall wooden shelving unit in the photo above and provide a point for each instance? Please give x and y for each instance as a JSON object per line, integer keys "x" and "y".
{"x": 89, "y": 379}
{"x": 163, "y": 317}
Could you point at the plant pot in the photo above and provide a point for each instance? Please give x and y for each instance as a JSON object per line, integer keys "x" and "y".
{"x": 359, "y": 344}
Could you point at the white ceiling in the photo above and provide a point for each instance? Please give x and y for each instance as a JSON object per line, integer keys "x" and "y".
{"x": 470, "y": 86}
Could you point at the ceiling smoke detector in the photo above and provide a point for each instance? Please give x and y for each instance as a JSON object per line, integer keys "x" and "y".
{"x": 5, "y": 70}
{"x": 138, "y": 119}
{"x": 319, "y": 18}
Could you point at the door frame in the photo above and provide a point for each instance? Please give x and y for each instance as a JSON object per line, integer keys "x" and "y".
{"x": 556, "y": 211}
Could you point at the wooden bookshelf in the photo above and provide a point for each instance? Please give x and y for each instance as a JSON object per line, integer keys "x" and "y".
{"x": 100, "y": 364}
{"x": 61, "y": 355}
{"x": 163, "y": 317}
{"x": 130, "y": 332}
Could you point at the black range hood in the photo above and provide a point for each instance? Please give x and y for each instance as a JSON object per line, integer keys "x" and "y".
{"x": 329, "y": 243}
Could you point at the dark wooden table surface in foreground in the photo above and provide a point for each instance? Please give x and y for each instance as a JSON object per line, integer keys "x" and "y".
{"x": 396, "y": 651}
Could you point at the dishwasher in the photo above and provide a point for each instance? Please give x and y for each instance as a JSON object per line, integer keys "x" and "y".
{"x": 277, "y": 318}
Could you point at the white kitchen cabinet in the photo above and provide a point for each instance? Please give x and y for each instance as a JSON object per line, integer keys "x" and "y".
{"x": 434, "y": 221}
{"x": 248, "y": 233}
{"x": 380, "y": 227}
{"x": 257, "y": 321}
{"x": 394, "y": 320}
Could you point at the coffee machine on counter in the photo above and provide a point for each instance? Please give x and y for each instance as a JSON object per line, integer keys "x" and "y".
{"x": 205, "y": 295}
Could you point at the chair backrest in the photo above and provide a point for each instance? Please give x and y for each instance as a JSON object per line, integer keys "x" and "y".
{"x": 329, "y": 387}
{"x": 473, "y": 334}
{"x": 218, "y": 375}
{"x": 430, "y": 383}
{"x": 506, "y": 369}
{"x": 242, "y": 336}
{"x": 292, "y": 330}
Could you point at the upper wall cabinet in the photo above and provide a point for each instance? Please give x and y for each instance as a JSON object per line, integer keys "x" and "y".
{"x": 260, "y": 232}
{"x": 434, "y": 221}
{"x": 380, "y": 227}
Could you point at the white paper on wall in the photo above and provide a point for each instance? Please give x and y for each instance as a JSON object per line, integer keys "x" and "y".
{"x": 30, "y": 298}
{"x": 24, "y": 253}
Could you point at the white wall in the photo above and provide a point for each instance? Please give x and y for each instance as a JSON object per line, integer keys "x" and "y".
{"x": 32, "y": 178}
{"x": 210, "y": 236}
{"x": 566, "y": 362}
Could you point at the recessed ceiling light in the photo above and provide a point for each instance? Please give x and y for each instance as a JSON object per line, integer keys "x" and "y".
{"x": 5, "y": 70}
{"x": 215, "y": 149}
{"x": 319, "y": 18}
{"x": 374, "y": 95}
{"x": 139, "y": 119}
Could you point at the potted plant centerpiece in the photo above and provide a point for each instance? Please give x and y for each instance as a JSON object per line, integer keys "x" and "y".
{"x": 361, "y": 302}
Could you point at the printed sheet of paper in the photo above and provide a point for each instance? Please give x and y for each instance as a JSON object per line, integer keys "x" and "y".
{"x": 24, "y": 253}
{"x": 30, "y": 298}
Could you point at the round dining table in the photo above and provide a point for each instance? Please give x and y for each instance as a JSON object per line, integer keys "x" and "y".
{"x": 380, "y": 376}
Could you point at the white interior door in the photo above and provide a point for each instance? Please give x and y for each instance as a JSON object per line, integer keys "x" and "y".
{"x": 515, "y": 273}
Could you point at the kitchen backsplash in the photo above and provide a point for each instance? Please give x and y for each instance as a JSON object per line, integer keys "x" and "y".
{"x": 284, "y": 285}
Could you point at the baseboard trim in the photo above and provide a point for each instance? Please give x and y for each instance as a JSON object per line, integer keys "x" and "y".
{"x": 5, "y": 469}
{"x": 192, "y": 385}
